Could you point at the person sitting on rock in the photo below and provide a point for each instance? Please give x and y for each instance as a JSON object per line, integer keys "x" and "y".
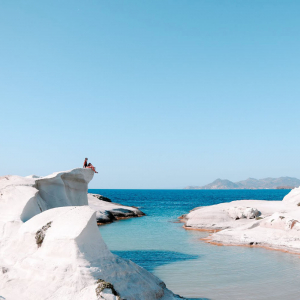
{"x": 85, "y": 164}
{"x": 90, "y": 166}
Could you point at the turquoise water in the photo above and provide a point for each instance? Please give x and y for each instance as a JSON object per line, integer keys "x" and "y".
{"x": 189, "y": 266}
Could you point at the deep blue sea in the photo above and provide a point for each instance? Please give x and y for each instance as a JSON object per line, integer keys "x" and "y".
{"x": 189, "y": 266}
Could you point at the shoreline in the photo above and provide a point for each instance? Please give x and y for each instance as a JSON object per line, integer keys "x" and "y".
{"x": 209, "y": 240}
{"x": 272, "y": 225}
{"x": 119, "y": 219}
{"x": 266, "y": 246}
{"x": 107, "y": 211}
{"x": 201, "y": 229}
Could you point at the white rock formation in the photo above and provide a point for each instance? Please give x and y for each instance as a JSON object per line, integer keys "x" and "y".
{"x": 51, "y": 248}
{"x": 293, "y": 197}
{"x": 107, "y": 212}
{"x": 65, "y": 188}
{"x": 274, "y": 224}
{"x": 240, "y": 212}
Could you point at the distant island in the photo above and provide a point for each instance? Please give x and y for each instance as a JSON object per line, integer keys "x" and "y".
{"x": 250, "y": 183}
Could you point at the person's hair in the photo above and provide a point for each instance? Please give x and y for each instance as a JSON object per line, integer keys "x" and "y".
{"x": 86, "y": 158}
{"x": 89, "y": 164}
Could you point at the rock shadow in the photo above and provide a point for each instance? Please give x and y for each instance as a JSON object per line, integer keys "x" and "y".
{"x": 151, "y": 259}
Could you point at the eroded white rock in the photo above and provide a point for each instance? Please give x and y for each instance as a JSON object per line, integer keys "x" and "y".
{"x": 22, "y": 198}
{"x": 51, "y": 248}
{"x": 108, "y": 211}
{"x": 281, "y": 221}
{"x": 241, "y": 212}
{"x": 266, "y": 223}
{"x": 65, "y": 188}
{"x": 293, "y": 197}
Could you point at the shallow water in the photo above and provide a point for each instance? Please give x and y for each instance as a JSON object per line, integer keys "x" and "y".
{"x": 189, "y": 266}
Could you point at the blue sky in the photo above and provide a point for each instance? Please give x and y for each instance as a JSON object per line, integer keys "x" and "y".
{"x": 157, "y": 94}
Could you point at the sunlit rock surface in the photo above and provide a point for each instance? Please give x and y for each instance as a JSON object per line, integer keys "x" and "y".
{"x": 51, "y": 247}
{"x": 272, "y": 224}
{"x": 241, "y": 212}
{"x": 107, "y": 212}
{"x": 293, "y": 197}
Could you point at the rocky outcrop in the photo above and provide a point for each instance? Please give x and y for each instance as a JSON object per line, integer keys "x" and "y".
{"x": 241, "y": 212}
{"x": 293, "y": 197}
{"x": 107, "y": 212}
{"x": 230, "y": 215}
{"x": 272, "y": 224}
{"x": 51, "y": 247}
{"x": 100, "y": 197}
{"x": 65, "y": 188}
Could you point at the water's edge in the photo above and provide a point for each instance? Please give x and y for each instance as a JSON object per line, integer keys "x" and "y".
{"x": 188, "y": 266}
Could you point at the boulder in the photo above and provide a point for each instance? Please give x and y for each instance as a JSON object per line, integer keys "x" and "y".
{"x": 104, "y": 217}
{"x": 100, "y": 197}
{"x": 293, "y": 197}
{"x": 281, "y": 221}
{"x": 240, "y": 212}
{"x": 108, "y": 211}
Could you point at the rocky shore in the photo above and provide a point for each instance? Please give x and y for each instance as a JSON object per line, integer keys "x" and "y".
{"x": 51, "y": 247}
{"x": 255, "y": 223}
{"x": 107, "y": 211}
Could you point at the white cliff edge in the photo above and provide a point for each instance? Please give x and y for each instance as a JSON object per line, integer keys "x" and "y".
{"x": 51, "y": 248}
{"x": 271, "y": 224}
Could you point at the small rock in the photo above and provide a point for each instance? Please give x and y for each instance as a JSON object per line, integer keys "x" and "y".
{"x": 40, "y": 234}
{"x": 100, "y": 197}
{"x": 123, "y": 213}
{"x": 104, "y": 217}
{"x": 106, "y": 289}
{"x": 241, "y": 212}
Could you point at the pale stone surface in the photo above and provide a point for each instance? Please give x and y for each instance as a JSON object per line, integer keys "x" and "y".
{"x": 65, "y": 188}
{"x": 241, "y": 212}
{"x": 22, "y": 198}
{"x": 67, "y": 259}
{"x": 109, "y": 211}
{"x": 293, "y": 197}
{"x": 108, "y": 295}
{"x": 217, "y": 216}
{"x": 274, "y": 224}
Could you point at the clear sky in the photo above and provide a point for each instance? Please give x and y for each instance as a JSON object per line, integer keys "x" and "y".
{"x": 157, "y": 94}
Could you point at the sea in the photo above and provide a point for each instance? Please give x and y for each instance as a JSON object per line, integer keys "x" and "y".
{"x": 189, "y": 266}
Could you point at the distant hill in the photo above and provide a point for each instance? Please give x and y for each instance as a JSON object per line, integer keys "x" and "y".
{"x": 250, "y": 183}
